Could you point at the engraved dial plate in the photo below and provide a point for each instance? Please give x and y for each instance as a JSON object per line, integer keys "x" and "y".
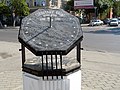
{"x": 50, "y": 29}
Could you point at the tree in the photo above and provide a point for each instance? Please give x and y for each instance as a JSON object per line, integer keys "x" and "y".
{"x": 70, "y": 5}
{"x": 4, "y": 9}
{"x": 4, "y": 12}
{"x": 116, "y": 9}
{"x": 18, "y": 8}
{"x": 103, "y": 6}
{"x": 13, "y": 9}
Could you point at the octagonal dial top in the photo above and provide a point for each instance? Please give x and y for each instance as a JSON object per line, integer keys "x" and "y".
{"x": 50, "y": 29}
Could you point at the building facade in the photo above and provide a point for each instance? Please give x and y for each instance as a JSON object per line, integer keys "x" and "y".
{"x": 37, "y": 3}
{"x": 33, "y": 3}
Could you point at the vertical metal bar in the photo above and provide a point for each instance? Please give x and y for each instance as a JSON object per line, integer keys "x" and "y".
{"x": 56, "y": 64}
{"x": 61, "y": 65}
{"x": 52, "y": 64}
{"x": 42, "y": 67}
{"x": 47, "y": 65}
{"x": 23, "y": 54}
{"x": 78, "y": 53}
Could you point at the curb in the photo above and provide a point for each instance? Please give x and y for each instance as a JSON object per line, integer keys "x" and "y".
{"x": 10, "y": 27}
{"x": 17, "y": 27}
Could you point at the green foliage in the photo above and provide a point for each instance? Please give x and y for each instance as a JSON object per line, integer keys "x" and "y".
{"x": 103, "y": 5}
{"x": 2, "y": 1}
{"x": 2, "y": 6}
{"x": 71, "y": 5}
{"x": 4, "y": 9}
{"x": 116, "y": 9}
{"x": 19, "y": 7}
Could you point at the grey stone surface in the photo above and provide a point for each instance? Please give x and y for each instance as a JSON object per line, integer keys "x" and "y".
{"x": 97, "y": 72}
{"x": 50, "y": 30}
{"x": 97, "y": 80}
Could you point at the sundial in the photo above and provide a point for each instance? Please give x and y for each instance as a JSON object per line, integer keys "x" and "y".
{"x": 49, "y": 30}
{"x": 50, "y": 34}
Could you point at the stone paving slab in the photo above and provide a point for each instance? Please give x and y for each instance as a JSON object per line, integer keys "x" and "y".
{"x": 96, "y": 71}
{"x": 97, "y": 80}
{"x": 11, "y": 80}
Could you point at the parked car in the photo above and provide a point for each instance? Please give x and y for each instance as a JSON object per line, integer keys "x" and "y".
{"x": 114, "y": 22}
{"x": 118, "y": 20}
{"x": 95, "y": 22}
{"x": 106, "y": 20}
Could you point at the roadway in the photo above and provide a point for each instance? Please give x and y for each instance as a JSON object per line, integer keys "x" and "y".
{"x": 100, "y": 38}
{"x": 100, "y": 70}
{"x": 9, "y": 35}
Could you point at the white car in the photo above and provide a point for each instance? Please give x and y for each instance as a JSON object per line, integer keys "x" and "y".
{"x": 114, "y": 22}
{"x": 118, "y": 20}
{"x": 96, "y": 22}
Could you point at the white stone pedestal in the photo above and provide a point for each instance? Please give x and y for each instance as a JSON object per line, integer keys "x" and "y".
{"x": 70, "y": 82}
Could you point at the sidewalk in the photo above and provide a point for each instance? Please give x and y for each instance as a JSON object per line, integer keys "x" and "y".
{"x": 100, "y": 70}
{"x": 11, "y": 27}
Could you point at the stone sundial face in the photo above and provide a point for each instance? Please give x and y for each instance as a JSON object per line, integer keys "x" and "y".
{"x": 50, "y": 29}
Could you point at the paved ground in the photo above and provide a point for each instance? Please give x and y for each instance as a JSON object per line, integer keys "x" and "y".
{"x": 10, "y": 67}
{"x": 97, "y": 80}
{"x": 100, "y": 70}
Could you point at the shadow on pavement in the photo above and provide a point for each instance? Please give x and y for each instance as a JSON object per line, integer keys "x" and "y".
{"x": 115, "y": 31}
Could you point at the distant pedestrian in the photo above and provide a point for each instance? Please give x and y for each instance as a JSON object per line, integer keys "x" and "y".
{"x": 14, "y": 19}
{"x": 1, "y": 26}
